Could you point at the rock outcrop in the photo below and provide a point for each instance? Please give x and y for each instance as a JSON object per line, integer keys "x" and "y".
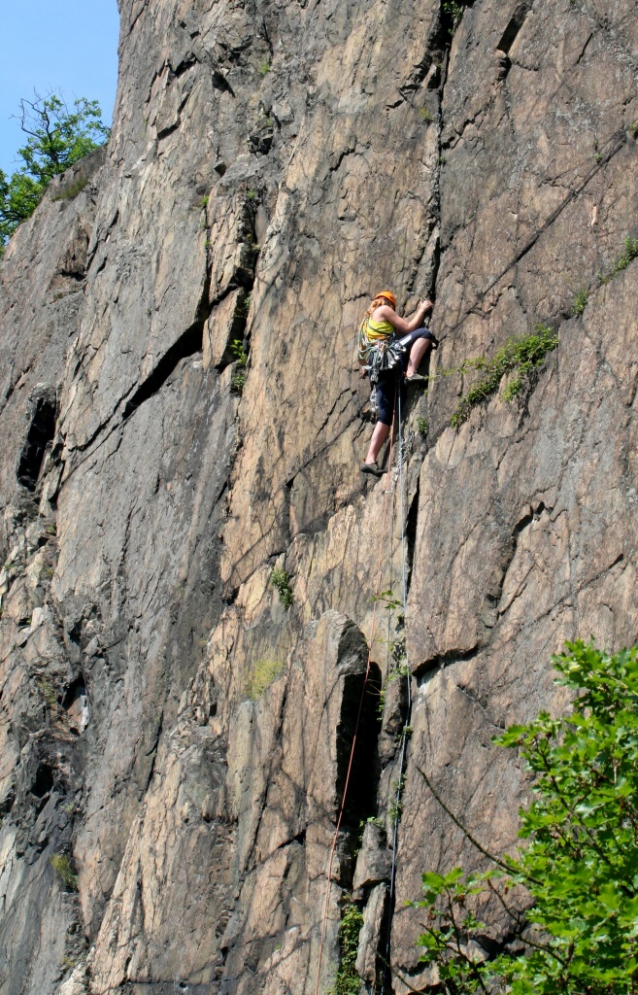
{"x": 181, "y": 415}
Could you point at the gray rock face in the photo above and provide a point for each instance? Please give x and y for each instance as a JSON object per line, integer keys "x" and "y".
{"x": 180, "y": 414}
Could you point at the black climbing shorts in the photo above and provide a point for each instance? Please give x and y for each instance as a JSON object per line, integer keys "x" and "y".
{"x": 407, "y": 341}
{"x": 390, "y": 382}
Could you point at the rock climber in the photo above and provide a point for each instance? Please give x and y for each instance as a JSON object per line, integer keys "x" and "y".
{"x": 380, "y": 324}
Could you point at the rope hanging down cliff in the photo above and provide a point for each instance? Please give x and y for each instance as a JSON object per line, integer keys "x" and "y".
{"x": 404, "y": 735}
{"x": 324, "y": 916}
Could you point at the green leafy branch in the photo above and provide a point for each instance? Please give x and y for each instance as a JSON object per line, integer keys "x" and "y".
{"x": 579, "y": 865}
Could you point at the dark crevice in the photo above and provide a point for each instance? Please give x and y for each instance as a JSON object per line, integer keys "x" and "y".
{"x": 299, "y": 838}
{"x": 238, "y": 340}
{"x": 221, "y": 83}
{"x": 449, "y": 20}
{"x": 43, "y": 416}
{"x": 361, "y": 798}
{"x": 514, "y": 26}
{"x": 509, "y": 37}
{"x": 267, "y": 39}
{"x": 237, "y": 331}
{"x": 188, "y": 344}
{"x": 183, "y": 67}
{"x": 43, "y": 782}
{"x": 8, "y": 803}
{"x": 436, "y": 265}
{"x": 72, "y": 275}
{"x": 165, "y": 132}
{"x": 425, "y": 671}
{"x": 75, "y": 690}
{"x": 152, "y": 753}
{"x": 410, "y": 528}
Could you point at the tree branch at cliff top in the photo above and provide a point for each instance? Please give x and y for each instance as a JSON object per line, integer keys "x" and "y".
{"x": 57, "y": 138}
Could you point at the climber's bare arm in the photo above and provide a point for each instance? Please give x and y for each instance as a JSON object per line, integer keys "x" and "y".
{"x": 402, "y": 325}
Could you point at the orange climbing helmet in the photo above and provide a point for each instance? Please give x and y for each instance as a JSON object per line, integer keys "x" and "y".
{"x": 389, "y": 296}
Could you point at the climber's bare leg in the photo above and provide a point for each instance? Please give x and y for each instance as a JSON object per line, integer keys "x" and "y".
{"x": 380, "y": 434}
{"x": 417, "y": 352}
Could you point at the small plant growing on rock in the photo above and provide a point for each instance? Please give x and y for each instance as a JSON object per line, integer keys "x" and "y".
{"x": 580, "y": 302}
{"x": 373, "y": 820}
{"x": 522, "y": 357}
{"x": 348, "y": 981}
{"x": 454, "y": 9}
{"x": 425, "y": 115}
{"x": 243, "y": 307}
{"x": 64, "y": 869}
{"x": 241, "y": 358}
{"x": 72, "y": 190}
{"x": 280, "y": 580}
{"x": 47, "y": 692}
{"x": 422, "y": 425}
{"x": 264, "y": 68}
{"x": 396, "y": 808}
{"x": 629, "y": 253}
{"x": 262, "y": 676}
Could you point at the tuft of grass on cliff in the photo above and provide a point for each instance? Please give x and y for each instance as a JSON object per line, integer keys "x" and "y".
{"x": 519, "y": 357}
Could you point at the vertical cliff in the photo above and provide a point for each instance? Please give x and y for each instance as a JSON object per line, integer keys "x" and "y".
{"x": 174, "y": 739}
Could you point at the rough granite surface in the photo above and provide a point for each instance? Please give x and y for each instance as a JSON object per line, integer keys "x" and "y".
{"x": 174, "y": 741}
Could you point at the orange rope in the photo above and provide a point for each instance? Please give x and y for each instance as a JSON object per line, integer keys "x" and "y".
{"x": 324, "y": 917}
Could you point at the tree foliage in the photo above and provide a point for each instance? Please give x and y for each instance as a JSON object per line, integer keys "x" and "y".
{"x": 57, "y": 136}
{"x": 579, "y": 865}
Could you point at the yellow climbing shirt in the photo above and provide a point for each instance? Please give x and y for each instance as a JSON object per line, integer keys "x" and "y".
{"x": 372, "y": 332}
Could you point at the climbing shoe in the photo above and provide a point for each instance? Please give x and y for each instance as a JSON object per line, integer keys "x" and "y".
{"x": 372, "y": 468}
{"x": 414, "y": 377}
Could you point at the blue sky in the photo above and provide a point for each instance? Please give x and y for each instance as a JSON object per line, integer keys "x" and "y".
{"x": 63, "y": 45}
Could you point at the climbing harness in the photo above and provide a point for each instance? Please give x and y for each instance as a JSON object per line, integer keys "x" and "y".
{"x": 403, "y": 450}
{"x": 382, "y": 357}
